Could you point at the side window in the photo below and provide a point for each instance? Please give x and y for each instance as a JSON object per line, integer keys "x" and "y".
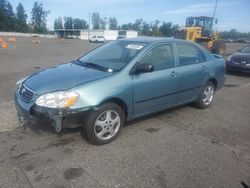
{"x": 161, "y": 57}
{"x": 189, "y": 55}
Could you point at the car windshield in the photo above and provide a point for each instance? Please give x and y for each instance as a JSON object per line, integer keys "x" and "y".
{"x": 114, "y": 55}
{"x": 246, "y": 50}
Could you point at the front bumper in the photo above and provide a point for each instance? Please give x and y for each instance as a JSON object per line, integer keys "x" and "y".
{"x": 237, "y": 67}
{"x": 59, "y": 118}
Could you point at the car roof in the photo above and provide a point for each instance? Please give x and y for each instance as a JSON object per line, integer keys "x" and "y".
{"x": 152, "y": 39}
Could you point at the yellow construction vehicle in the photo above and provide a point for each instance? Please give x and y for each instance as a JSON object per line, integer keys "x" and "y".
{"x": 200, "y": 30}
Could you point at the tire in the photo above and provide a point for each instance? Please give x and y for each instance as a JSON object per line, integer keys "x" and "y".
{"x": 204, "y": 101}
{"x": 228, "y": 71}
{"x": 105, "y": 124}
{"x": 219, "y": 47}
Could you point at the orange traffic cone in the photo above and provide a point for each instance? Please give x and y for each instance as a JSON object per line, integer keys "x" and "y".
{"x": 4, "y": 44}
{"x": 12, "y": 39}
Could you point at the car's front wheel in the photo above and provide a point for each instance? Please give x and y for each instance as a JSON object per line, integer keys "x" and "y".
{"x": 104, "y": 124}
{"x": 206, "y": 96}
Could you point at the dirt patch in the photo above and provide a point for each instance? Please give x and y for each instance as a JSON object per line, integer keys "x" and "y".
{"x": 152, "y": 130}
{"x": 29, "y": 167}
{"x": 68, "y": 151}
{"x": 61, "y": 142}
{"x": 13, "y": 148}
{"x": 38, "y": 178}
{"x": 22, "y": 155}
{"x": 231, "y": 85}
{"x": 59, "y": 186}
{"x": 73, "y": 173}
{"x": 49, "y": 160}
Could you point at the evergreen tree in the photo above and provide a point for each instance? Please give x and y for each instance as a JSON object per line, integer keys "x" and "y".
{"x": 38, "y": 19}
{"x": 113, "y": 23}
{"x": 21, "y": 17}
{"x": 68, "y": 23}
{"x": 58, "y": 23}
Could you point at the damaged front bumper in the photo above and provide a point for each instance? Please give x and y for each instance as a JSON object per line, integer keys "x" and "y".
{"x": 59, "y": 118}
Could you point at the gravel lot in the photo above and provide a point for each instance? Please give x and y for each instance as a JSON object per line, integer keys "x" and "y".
{"x": 181, "y": 147}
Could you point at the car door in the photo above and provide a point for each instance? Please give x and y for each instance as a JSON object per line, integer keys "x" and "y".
{"x": 155, "y": 90}
{"x": 191, "y": 71}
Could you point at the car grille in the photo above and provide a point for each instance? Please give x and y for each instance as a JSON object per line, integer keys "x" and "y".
{"x": 241, "y": 61}
{"x": 26, "y": 93}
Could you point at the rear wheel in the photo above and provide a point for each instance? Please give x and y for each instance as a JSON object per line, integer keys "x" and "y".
{"x": 105, "y": 124}
{"x": 206, "y": 96}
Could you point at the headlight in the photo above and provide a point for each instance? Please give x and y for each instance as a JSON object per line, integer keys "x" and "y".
{"x": 60, "y": 99}
{"x": 229, "y": 58}
{"x": 19, "y": 82}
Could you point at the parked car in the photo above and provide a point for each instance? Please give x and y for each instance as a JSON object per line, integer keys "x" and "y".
{"x": 120, "y": 81}
{"x": 239, "y": 61}
{"x": 97, "y": 39}
{"x": 120, "y": 37}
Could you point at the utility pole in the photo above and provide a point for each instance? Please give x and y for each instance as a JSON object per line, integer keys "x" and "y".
{"x": 215, "y": 7}
{"x": 89, "y": 28}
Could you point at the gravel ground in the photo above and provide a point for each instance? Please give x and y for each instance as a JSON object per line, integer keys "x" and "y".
{"x": 181, "y": 147}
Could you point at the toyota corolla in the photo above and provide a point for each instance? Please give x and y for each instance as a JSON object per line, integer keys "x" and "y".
{"x": 120, "y": 81}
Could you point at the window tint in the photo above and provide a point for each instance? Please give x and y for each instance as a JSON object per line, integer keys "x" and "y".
{"x": 189, "y": 55}
{"x": 161, "y": 57}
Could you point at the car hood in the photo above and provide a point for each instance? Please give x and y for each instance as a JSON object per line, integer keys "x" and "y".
{"x": 62, "y": 77}
{"x": 241, "y": 57}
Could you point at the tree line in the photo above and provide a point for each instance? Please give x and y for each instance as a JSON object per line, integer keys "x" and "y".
{"x": 154, "y": 28}
{"x": 10, "y": 21}
{"x": 234, "y": 34}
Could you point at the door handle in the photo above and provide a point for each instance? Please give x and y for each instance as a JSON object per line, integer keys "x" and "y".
{"x": 174, "y": 74}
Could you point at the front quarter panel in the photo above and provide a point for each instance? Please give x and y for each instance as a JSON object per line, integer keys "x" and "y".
{"x": 118, "y": 86}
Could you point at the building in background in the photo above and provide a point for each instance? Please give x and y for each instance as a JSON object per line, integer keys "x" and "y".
{"x": 86, "y": 34}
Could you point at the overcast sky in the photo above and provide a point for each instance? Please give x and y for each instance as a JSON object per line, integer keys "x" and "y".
{"x": 230, "y": 13}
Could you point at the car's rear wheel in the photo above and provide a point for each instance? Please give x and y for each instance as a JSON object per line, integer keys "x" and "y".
{"x": 206, "y": 96}
{"x": 104, "y": 124}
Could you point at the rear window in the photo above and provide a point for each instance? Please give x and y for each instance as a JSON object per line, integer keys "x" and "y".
{"x": 189, "y": 54}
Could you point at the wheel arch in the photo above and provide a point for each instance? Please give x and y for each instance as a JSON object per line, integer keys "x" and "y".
{"x": 214, "y": 81}
{"x": 119, "y": 102}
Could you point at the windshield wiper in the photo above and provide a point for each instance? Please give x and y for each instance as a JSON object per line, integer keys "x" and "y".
{"x": 93, "y": 65}
{"x": 96, "y": 66}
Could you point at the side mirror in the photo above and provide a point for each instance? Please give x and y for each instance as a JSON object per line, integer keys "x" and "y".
{"x": 143, "y": 68}
{"x": 238, "y": 50}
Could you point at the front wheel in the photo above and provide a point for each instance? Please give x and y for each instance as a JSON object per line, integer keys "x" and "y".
{"x": 105, "y": 124}
{"x": 206, "y": 96}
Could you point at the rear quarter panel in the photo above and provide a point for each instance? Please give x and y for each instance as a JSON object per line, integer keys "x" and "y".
{"x": 216, "y": 69}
